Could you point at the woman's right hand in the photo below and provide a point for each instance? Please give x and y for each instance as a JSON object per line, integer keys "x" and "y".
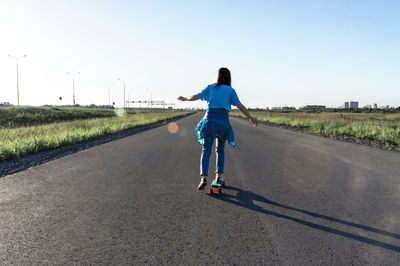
{"x": 253, "y": 122}
{"x": 181, "y": 98}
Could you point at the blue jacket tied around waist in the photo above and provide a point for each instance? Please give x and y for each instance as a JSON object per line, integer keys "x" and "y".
{"x": 214, "y": 120}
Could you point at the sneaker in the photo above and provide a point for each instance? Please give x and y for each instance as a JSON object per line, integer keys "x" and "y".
{"x": 219, "y": 180}
{"x": 202, "y": 184}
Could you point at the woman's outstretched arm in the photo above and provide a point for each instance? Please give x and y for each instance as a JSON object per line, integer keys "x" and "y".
{"x": 246, "y": 113}
{"x": 191, "y": 98}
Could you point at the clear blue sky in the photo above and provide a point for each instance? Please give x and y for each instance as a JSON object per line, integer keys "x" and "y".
{"x": 279, "y": 52}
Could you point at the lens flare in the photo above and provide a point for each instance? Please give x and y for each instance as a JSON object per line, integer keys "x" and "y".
{"x": 182, "y": 132}
{"x": 357, "y": 182}
{"x": 173, "y": 128}
{"x": 120, "y": 112}
{"x": 307, "y": 171}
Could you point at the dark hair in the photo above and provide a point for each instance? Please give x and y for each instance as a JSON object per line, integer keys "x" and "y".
{"x": 223, "y": 77}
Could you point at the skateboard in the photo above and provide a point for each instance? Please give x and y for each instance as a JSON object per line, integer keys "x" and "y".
{"x": 216, "y": 187}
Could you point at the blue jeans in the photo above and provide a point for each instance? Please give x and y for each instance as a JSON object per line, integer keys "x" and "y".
{"x": 220, "y": 153}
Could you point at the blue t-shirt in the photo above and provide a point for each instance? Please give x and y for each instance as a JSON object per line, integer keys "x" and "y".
{"x": 222, "y": 96}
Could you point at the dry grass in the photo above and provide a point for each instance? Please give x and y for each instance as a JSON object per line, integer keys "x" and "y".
{"x": 375, "y": 126}
{"x": 17, "y": 142}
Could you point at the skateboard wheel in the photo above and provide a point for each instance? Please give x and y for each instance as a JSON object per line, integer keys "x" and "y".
{"x": 211, "y": 191}
{"x": 220, "y": 190}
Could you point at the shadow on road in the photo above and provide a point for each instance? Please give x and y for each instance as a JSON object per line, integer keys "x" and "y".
{"x": 247, "y": 199}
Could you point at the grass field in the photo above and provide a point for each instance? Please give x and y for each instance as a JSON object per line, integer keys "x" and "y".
{"x": 381, "y": 127}
{"x": 15, "y": 116}
{"x": 19, "y": 141}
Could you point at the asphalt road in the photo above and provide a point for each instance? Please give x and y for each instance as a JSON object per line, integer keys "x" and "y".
{"x": 292, "y": 199}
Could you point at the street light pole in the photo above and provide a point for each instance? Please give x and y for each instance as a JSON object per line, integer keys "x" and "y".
{"x": 73, "y": 75}
{"x": 124, "y": 91}
{"x": 73, "y": 91}
{"x": 151, "y": 99}
{"x": 16, "y": 63}
{"x": 109, "y": 85}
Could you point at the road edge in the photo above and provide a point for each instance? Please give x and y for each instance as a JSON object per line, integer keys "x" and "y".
{"x": 17, "y": 165}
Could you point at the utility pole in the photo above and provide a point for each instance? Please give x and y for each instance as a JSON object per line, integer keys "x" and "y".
{"x": 16, "y": 63}
{"x": 124, "y": 91}
{"x": 73, "y": 76}
{"x": 109, "y": 85}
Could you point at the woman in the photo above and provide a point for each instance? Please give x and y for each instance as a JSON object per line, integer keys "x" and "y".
{"x": 215, "y": 124}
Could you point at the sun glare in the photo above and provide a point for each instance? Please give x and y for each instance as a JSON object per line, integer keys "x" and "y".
{"x": 173, "y": 128}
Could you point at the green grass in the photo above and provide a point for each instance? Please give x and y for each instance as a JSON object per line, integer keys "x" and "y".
{"x": 381, "y": 127}
{"x": 17, "y": 142}
{"x": 15, "y": 116}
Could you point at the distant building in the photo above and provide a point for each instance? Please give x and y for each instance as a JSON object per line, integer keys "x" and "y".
{"x": 289, "y": 108}
{"x": 314, "y": 107}
{"x": 375, "y": 106}
{"x": 346, "y": 105}
{"x": 354, "y": 105}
